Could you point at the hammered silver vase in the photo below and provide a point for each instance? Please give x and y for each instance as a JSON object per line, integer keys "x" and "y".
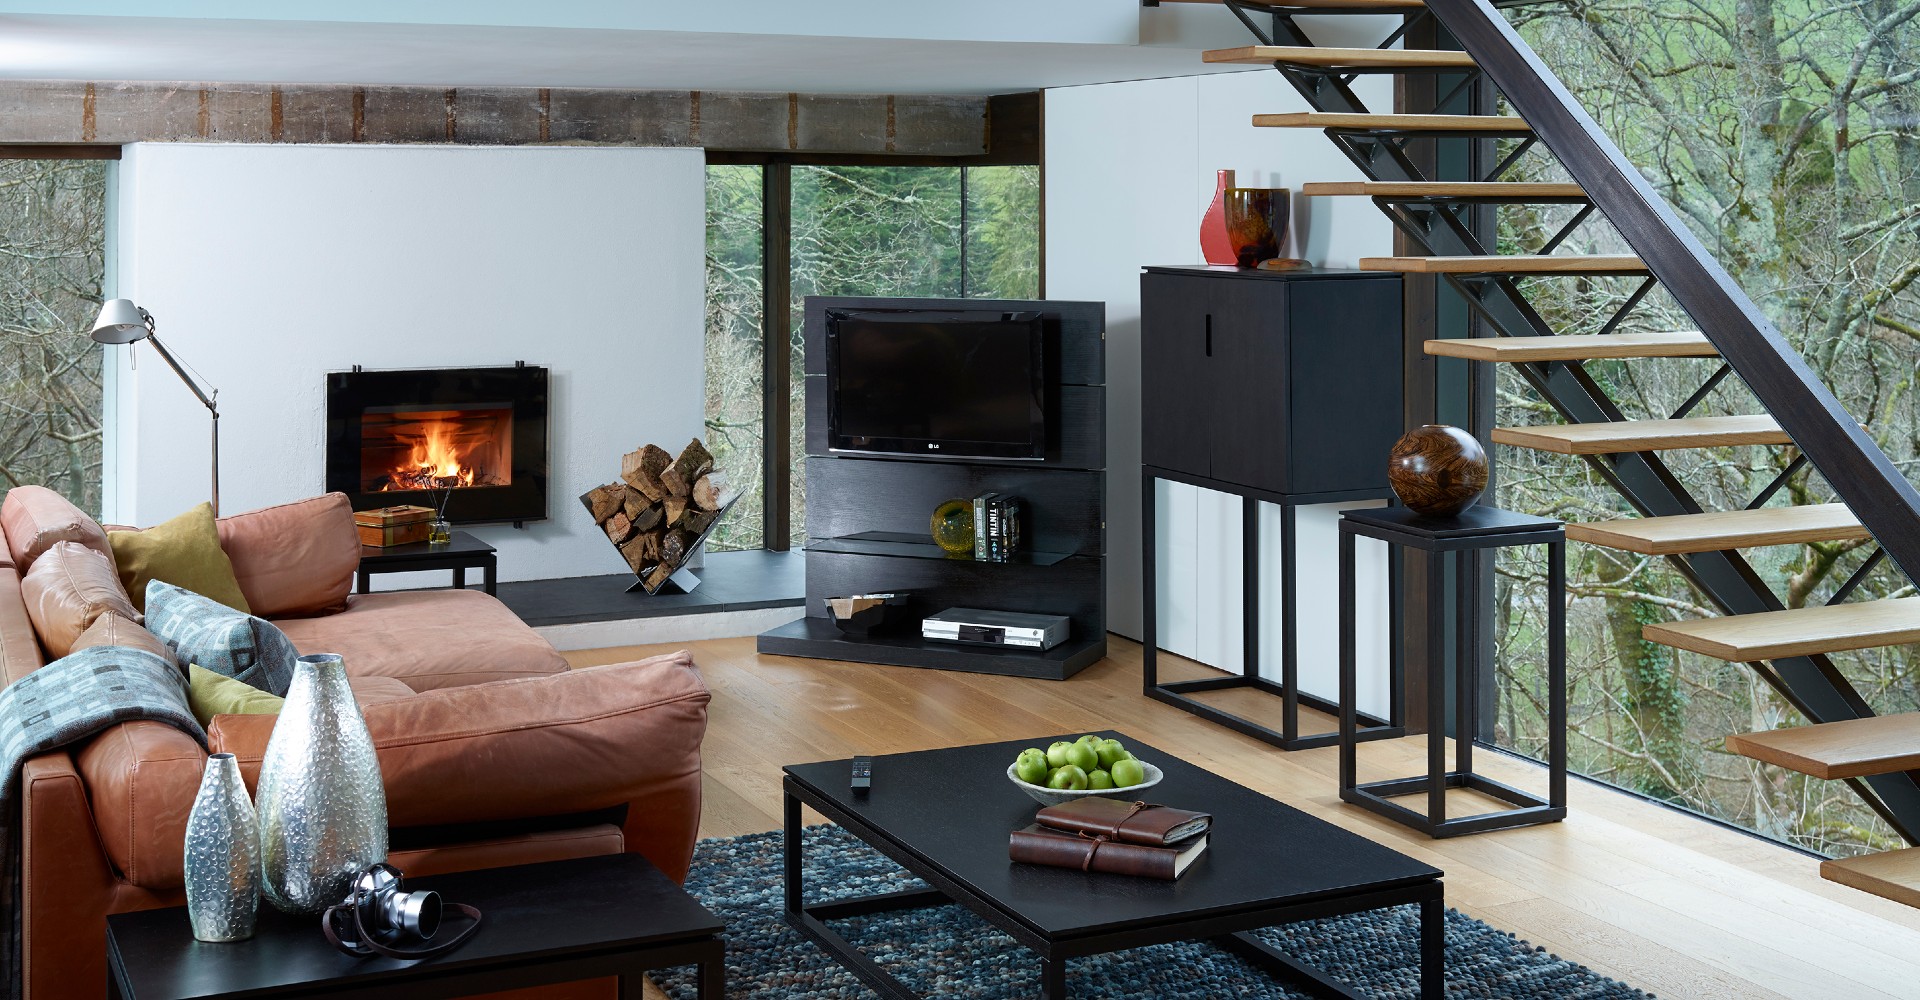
{"x": 222, "y": 855}
{"x": 323, "y": 812}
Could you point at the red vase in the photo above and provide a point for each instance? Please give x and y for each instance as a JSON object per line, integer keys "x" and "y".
{"x": 1216, "y": 244}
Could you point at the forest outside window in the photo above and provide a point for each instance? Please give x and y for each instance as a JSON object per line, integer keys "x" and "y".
{"x": 52, "y": 266}
{"x": 846, "y": 229}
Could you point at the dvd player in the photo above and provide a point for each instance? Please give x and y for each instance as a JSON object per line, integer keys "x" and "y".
{"x": 975, "y": 627}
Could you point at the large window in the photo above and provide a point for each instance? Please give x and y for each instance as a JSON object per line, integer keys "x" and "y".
{"x": 942, "y": 231}
{"x": 1788, "y": 138}
{"x": 52, "y": 264}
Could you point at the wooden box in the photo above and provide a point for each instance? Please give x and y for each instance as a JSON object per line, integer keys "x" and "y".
{"x": 391, "y": 526}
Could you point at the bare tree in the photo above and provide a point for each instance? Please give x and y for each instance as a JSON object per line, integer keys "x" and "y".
{"x": 52, "y": 263}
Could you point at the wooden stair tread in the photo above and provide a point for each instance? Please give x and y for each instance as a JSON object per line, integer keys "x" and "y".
{"x": 1893, "y": 875}
{"x": 1771, "y": 635}
{"x": 1721, "y": 530}
{"x": 1509, "y": 264}
{"x": 1393, "y": 123}
{"x": 1615, "y": 437}
{"x": 1677, "y": 344}
{"x": 1517, "y": 190}
{"x": 1854, "y": 748}
{"x": 1332, "y": 57}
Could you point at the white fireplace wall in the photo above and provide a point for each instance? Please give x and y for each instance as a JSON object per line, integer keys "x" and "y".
{"x": 267, "y": 266}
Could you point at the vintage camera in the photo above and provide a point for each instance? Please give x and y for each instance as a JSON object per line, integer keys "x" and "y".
{"x": 379, "y": 914}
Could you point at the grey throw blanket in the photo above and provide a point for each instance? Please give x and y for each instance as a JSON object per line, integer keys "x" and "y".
{"x": 65, "y": 702}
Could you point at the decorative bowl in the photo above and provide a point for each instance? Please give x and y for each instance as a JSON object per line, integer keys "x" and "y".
{"x": 1055, "y": 796}
{"x": 861, "y": 614}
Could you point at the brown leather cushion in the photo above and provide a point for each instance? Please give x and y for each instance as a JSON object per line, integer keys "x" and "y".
{"x": 375, "y": 690}
{"x": 428, "y": 638}
{"x": 20, "y": 652}
{"x": 114, "y": 629}
{"x": 539, "y": 746}
{"x": 68, "y": 587}
{"x": 35, "y": 517}
{"x": 141, "y": 779}
{"x": 295, "y": 560}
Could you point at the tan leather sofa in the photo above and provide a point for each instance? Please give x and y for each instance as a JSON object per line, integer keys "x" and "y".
{"x": 492, "y": 751}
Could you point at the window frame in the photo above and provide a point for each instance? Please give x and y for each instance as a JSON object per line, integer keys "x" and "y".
{"x": 776, "y": 312}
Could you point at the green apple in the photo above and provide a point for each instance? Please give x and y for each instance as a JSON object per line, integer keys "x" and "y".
{"x": 1090, "y": 738}
{"x": 1111, "y": 751}
{"x": 1083, "y": 756}
{"x": 1068, "y": 778}
{"x": 1057, "y": 753}
{"x": 1127, "y": 773}
{"x": 1099, "y": 779}
{"x": 1031, "y": 766}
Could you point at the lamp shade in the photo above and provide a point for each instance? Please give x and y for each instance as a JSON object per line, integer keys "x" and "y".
{"x": 121, "y": 322}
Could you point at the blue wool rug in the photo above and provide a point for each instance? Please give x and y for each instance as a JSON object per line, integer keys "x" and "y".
{"x": 948, "y": 952}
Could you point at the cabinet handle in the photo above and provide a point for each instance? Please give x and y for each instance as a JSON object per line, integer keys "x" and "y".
{"x": 1209, "y": 335}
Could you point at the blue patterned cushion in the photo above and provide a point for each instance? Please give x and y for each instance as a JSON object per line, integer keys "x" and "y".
{"x": 203, "y": 631}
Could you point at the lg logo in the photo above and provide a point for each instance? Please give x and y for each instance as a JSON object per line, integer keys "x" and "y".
{"x": 932, "y": 445}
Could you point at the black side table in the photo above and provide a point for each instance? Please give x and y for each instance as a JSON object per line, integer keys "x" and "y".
{"x": 557, "y": 922}
{"x": 464, "y": 552}
{"x": 1475, "y": 528}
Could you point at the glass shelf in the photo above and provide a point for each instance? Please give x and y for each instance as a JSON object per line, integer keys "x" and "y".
{"x": 908, "y": 546}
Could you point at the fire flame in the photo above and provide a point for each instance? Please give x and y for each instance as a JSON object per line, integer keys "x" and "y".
{"x": 434, "y": 461}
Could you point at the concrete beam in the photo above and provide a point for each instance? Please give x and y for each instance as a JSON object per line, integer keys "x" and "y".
{"x": 117, "y": 113}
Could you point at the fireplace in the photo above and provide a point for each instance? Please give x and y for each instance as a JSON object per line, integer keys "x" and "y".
{"x": 401, "y": 437}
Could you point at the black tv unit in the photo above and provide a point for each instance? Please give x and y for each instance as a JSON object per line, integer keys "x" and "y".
{"x": 867, "y": 514}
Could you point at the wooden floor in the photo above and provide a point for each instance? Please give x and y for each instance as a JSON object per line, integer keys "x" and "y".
{"x": 1671, "y": 904}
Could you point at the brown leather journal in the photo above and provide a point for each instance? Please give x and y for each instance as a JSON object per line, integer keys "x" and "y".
{"x": 1037, "y": 845}
{"x": 1131, "y": 822}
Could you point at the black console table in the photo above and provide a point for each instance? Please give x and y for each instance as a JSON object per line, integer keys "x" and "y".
{"x": 463, "y": 553}
{"x": 542, "y": 924}
{"x": 1279, "y": 387}
{"x": 1475, "y": 528}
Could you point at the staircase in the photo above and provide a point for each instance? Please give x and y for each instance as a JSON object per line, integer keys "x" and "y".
{"x": 1879, "y": 757}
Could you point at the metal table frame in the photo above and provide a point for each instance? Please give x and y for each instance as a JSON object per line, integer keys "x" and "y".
{"x": 1376, "y": 796}
{"x": 1287, "y": 688}
{"x": 1229, "y": 931}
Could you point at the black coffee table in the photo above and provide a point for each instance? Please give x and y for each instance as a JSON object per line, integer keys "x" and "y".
{"x": 944, "y": 815}
{"x": 461, "y": 553}
{"x": 556, "y": 922}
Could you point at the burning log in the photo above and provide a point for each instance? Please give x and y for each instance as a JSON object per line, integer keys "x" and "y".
{"x": 660, "y": 509}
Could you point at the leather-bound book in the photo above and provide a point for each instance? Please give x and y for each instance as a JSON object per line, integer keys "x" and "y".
{"x": 1037, "y": 845}
{"x": 1131, "y": 822}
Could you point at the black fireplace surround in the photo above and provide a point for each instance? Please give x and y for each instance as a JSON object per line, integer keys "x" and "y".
{"x": 394, "y": 437}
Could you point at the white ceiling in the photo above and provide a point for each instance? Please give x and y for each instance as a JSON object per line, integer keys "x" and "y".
{"x": 1073, "y": 42}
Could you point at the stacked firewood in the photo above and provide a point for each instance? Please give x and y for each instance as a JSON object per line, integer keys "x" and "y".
{"x": 660, "y": 507}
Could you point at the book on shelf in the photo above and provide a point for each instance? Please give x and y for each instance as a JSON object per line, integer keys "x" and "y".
{"x": 996, "y": 526}
{"x": 1040, "y": 845}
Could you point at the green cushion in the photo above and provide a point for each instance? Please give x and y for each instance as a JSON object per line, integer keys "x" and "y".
{"x": 185, "y": 552}
{"x": 212, "y": 694}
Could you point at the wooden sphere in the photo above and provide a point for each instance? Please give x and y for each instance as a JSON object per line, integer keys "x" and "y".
{"x": 1437, "y": 470}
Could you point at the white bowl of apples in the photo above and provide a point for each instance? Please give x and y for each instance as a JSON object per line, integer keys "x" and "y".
{"x": 1087, "y": 766}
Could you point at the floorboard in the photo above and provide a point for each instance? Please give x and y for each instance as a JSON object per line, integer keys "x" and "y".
{"x": 1661, "y": 899}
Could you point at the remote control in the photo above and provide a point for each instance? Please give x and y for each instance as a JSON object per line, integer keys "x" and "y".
{"x": 862, "y": 774}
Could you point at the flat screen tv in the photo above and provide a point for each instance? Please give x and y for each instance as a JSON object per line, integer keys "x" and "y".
{"x": 941, "y": 383}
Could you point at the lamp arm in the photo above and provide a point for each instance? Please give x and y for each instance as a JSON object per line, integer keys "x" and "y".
{"x": 167, "y": 356}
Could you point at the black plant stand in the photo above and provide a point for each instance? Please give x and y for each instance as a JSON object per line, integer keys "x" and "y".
{"x": 1180, "y": 693}
{"x": 1474, "y": 529}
